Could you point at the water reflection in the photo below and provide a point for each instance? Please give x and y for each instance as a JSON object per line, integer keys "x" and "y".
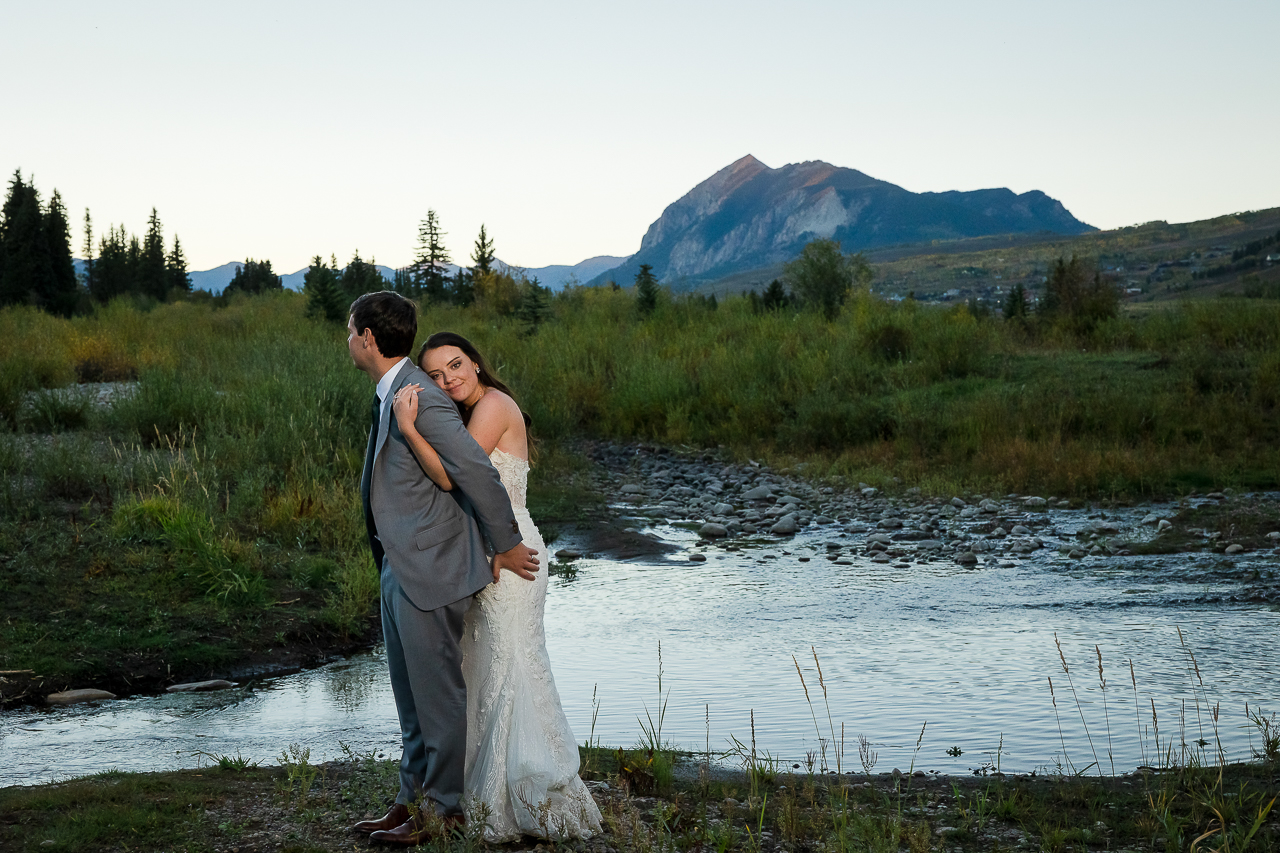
{"x": 965, "y": 653}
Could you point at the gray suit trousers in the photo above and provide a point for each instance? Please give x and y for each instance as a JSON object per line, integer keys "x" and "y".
{"x": 433, "y": 761}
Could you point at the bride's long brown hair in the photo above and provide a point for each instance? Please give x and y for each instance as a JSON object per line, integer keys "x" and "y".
{"x": 485, "y": 375}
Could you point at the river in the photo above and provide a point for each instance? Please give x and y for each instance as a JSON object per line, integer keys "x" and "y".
{"x": 965, "y": 654}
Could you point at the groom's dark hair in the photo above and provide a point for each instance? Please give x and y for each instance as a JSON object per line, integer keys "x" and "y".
{"x": 392, "y": 319}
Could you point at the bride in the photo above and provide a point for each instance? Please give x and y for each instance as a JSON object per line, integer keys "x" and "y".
{"x": 521, "y": 759}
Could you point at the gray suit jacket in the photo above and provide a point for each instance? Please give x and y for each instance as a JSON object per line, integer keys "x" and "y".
{"x": 431, "y": 539}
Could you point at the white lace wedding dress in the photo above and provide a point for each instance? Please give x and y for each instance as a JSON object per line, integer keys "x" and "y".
{"x": 522, "y": 759}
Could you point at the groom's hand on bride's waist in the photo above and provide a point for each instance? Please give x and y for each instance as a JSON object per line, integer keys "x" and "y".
{"x": 521, "y": 559}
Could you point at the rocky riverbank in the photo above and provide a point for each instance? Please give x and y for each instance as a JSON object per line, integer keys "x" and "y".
{"x": 742, "y": 505}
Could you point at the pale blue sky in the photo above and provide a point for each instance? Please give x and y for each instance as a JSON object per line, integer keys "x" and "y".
{"x": 281, "y": 130}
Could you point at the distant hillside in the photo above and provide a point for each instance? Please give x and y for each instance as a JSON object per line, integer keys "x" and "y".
{"x": 1233, "y": 255}
{"x": 748, "y": 216}
{"x": 557, "y": 276}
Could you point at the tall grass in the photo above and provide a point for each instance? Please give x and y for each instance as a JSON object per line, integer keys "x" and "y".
{"x": 1177, "y": 399}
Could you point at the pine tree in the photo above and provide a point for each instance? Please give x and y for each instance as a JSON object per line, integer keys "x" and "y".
{"x": 775, "y": 296}
{"x": 462, "y": 287}
{"x": 152, "y": 280}
{"x": 646, "y": 290}
{"x": 60, "y": 295}
{"x": 111, "y": 272}
{"x": 325, "y": 298}
{"x": 432, "y": 259}
{"x": 175, "y": 268}
{"x": 361, "y": 277}
{"x": 482, "y": 256}
{"x": 1015, "y": 304}
{"x": 253, "y": 277}
{"x": 535, "y": 305}
{"x": 27, "y": 266}
{"x": 88, "y": 251}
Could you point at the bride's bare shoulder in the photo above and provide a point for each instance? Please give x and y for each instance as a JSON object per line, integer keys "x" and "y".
{"x": 496, "y": 405}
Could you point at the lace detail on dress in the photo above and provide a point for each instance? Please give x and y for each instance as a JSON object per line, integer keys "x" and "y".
{"x": 514, "y": 472}
{"x": 522, "y": 758}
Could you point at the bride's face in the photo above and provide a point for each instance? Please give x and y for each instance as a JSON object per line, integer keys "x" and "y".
{"x": 455, "y": 373}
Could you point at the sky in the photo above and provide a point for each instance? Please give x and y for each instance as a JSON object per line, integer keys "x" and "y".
{"x": 281, "y": 131}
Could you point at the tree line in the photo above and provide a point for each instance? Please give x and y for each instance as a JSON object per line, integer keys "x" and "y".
{"x": 36, "y": 266}
{"x": 505, "y": 290}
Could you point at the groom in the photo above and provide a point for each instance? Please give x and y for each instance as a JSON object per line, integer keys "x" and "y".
{"x": 428, "y": 547}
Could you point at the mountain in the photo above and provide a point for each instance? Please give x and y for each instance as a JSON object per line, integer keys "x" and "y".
{"x": 557, "y": 276}
{"x": 748, "y": 215}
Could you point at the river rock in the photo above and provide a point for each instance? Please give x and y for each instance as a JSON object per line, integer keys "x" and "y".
{"x": 711, "y": 530}
{"x": 967, "y": 558}
{"x": 869, "y": 492}
{"x": 722, "y": 508}
{"x": 1275, "y": 534}
{"x": 71, "y": 697}
{"x": 785, "y": 526}
{"x": 969, "y": 512}
{"x": 958, "y": 504}
{"x": 1034, "y": 503}
{"x": 1234, "y": 548}
{"x": 948, "y": 511}
{"x": 199, "y": 686}
{"x": 989, "y": 505}
{"x": 882, "y": 538}
{"x": 889, "y": 523}
{"x": 882, "y": 558}
{"x": 632, "y": 489}
{"x": 697, "y": 557}
{"x": 759, "y": 493}
{"x": 822, "y": 519}
{"x": 1019, "y": 530}
{"x": 1163, "y": 525}
{"x": 568, "y": 554}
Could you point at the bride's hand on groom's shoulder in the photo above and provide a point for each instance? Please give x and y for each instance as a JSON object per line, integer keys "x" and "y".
{"x": 522, "y": 560}
{"x": 405, "y": 405}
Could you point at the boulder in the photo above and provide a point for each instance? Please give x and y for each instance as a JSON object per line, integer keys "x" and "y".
{"x": 958, "y": 504}
{"x": 1034, "y": 503}
{"x": 722, "y": 508}
{"x": 200, "y": 686}
{"x": 869, "y": 492}
{"x": 71, "y": 697}
{"x": 632, "y": 489}
{"x": 697, "y": 557}
{"x": 1019, "y": 530}
{"x": 1163, "y": 525}
{"x": 989, "y": 505}
{"x": 568, "y": 554}
{"x": 759, "y": 493}
{"x": 1234, "y": 548}
{"x": 785, "y": 526}
{"x": 711, "y": 530}
{"x": 967, "y": 558}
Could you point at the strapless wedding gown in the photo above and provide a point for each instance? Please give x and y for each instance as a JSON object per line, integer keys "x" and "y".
{"x": 522, "y": 759}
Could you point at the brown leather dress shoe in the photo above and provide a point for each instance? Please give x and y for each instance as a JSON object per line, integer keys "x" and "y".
{"x": 398, "y": 814}
{"x": 417, "y": 830}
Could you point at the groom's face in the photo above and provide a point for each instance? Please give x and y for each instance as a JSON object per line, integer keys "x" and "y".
{"x": 359, "y": 345}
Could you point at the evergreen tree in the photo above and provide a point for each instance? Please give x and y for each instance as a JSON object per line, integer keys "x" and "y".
{"x": 253, "y": 277}
{"x": 152, "y": 280}
{"x": 482, "y": 256}
{"x": 111, "y": 275}
{"x": 361, "y": 277}
{"x": 1015, "y": 304}
{"x": 325, "y": 297}
{"x": 402, "y": 283}
{"x": 88, "y": 251}
{"x": 175, "y": 268}
{"x": 60, "y": 297}
{"x": 27, "y": 267}
{"x": 775, "y": 296}
{"x": 462, "y": 290}
{"x": 646, "y": 290}
{"x": 432, "y": 259}
{"x": 535, "y": 305}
